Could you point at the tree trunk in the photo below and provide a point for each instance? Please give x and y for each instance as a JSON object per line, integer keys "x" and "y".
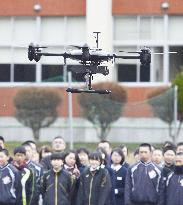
{"x": 36, "y": 134}
{"x": 104, "y": 131}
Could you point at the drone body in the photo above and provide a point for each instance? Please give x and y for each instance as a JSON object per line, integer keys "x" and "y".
{"x": 91, "y": 59}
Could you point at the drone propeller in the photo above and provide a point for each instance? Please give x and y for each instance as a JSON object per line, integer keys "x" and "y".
{"x": 80, "y": 47}
{"x": 96, "y": 49}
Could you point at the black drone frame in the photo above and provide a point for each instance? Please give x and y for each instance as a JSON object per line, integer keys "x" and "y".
{"x": 89, "y": 65}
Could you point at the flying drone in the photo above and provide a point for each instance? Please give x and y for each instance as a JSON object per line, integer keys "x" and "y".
{"x": 91, "y": 60}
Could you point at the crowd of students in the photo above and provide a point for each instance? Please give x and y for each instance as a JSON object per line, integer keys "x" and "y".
{"x": 58, "y": 176}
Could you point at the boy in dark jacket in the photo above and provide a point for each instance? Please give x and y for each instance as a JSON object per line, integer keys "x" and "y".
{"x": 144, "y": 181}
{"x": 27, "y": 181}
{"x": 8, "y": 180}
{"x": 174, "y": 183}
{"x": 56, "y": 184}
{"x": 37, "y": 171}
{"x": 95, "y": 183}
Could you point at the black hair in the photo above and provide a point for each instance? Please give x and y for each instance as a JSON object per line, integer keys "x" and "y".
{"x": 120, "y": 152}
{"x": 26, "y": 143}
{"x": 136, "y": 152}
{"x": 57, "y": 155}
{"x": 44, "y": 148}
{"x": 157, "y": 149}
{"x": 146, "y": 145}
{"x": 29, "y": 142}
{"x": 2, "y": 138}
{"x": 20, "y": 149}
{"x": 5, "y": 151}
{"x": 122, "y": 146}
{"x": 102, "y": 151}
{"x": 168, "y": 143}
{"x": 95, "y": 156}
{"x": 179, "y": 154}
{"x": 166, "y": 148}
{"x": 104, "y": 141}
{"x": 76, "y": 156}
{"x": 58, "y": 137}
{"x": 82, "y": 149}
{"x": 180, "y": 144}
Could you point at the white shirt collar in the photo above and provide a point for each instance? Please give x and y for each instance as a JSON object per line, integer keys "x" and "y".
{"x": 116, "y": 167}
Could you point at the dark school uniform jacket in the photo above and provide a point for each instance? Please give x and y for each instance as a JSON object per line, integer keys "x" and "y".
{"x": 56, "y": 188}
{"x": 37, "y": 174}
{"x": 144, "y": 184}
{"x": 26, "y": 186}
{"x": 9, "y": 178}
{"x": 174, "y": 189}
{"x": 94, "y": 188}
{"x": 119, "y": 177}
{"x": 111, "y": 198}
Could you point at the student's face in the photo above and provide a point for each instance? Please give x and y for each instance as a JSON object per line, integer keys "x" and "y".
{"x": 57, "y": 164}
{"x": 125, "y": 151}
{"x": 116, "y": 158}
{"x": 29, "y": 152}
{"x": 3, "y": 159}
{"x": 70, "y": 159}
{"x": 83, "y": 157}
{"x": 169, "y": 157}
{"x": 144, "y": 154}
{"x": 106, "y": 147}
{"x": 20, "y": 158}
{"x": 94, "y": 163}
{"x": 180, "y": 148}
{"x": 157, "y": 156}
{"x": 2, "y": 144}
{"x": 179, "y": 160}
{"x": 33, "y": 146}
{"x": 58, "y": 145}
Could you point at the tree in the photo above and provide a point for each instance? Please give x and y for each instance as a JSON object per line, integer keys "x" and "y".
{"x": 162, "y": 102}
{"x": 36, "y": 108}
{"x": 168, "y": 115}
{"x": 178, "y": 81}
{"x": 102, "y": 110}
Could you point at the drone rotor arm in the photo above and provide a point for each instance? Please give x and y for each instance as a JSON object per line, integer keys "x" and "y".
{"x": 127, "y": 57}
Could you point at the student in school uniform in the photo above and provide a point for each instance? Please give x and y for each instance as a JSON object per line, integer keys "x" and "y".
{"x": 95, "y": 183}
{"x": 117, "y": 159}
{"x": 9, "y": 178}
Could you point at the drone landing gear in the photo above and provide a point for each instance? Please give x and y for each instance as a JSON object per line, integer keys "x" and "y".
{"x": 88, "y": 78}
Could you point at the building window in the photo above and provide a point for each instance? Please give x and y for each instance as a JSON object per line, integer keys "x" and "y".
{"x": 57, "y": 73}
{"x": 76, "y": 77}
{"x": 127, "y": 73}
{"x": 24, "y": 73}
{"x": 4, "y": 72}
{"x": 52, "y": 73}
{"x": 175, "y": 61}
{"x": 132, "y": 73}
{"x": 135, "y": 28}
